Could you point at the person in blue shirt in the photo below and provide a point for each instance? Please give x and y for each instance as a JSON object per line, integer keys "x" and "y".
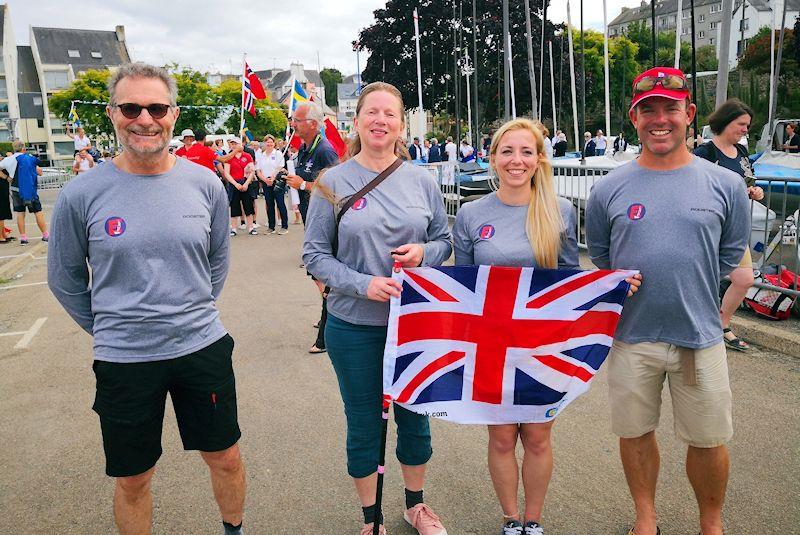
{"x": 24, "y": 170}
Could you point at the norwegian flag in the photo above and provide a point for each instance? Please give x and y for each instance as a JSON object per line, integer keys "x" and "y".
{"x": 498, "y": 345}
{"x": 252, "y": 90}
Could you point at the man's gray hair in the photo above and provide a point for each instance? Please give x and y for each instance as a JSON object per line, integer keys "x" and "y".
{"x": 142, "y": 70}
{"x": 314, "y": 112}
{"x": 17, "y": 145}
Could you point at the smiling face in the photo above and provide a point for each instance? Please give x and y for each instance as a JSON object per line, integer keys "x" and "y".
{"x": 269, "y": 144}
{"x": 143, "y": 135}
{"x": 516, "y": 159}
{"x": 380, "y": 121}
{"x": 736, "y": 129}
{"x": 661, "y": 124}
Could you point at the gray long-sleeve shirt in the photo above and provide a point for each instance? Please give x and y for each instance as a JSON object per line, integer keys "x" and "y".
{"x": 489, "y": 232}
{"x": 405, "y": 208}
{"x": 157, "y": 246}
{"x": 683, "y": 229}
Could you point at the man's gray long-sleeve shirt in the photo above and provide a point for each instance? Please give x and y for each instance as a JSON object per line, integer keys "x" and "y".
{"x": 158, "y": 248}
{"x": 405, "y": 208}
{"x": 683, "y": 229}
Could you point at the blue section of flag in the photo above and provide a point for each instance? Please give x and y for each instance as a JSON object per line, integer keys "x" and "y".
{"x": 594, "y": 355}
{"x": 409, "y": 295}
{"x": 403, "y": 362}
{"x": 448, "y": 387}
{"x": 529, "y": 391}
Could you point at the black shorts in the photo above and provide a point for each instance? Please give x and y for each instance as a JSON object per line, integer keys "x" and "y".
{"x": 241, "y": 200}
{"x": 34, "y": 205}
{"x": 130, "y": 401}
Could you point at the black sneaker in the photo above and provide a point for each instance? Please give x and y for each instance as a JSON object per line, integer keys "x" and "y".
{"x": 23, "y": 241}
{"x": 532, "y": 528}
{"x": 512, "y": 527}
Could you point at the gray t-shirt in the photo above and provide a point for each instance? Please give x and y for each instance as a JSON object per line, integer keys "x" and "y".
{"x": 488, "y": 232}
{"x": 405, "y": 208}
{"x": 683, "y": 229}
{"x": 157, "y": 246}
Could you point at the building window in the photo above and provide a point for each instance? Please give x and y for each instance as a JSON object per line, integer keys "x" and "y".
{"x": 56, "y": 80}
{"x": 37, "y": 101}
{"x": 713, "y": 25}
{"x": 701, "y": 35}
{"x": 685, "y": 15}
{"x": 745, "y": 23}
{"x": 4, "y": 110}
{"x": 39, "y": 123}
{"x": 701, "y": 18}
{"x": 711, "y": 41}
{"x": 97, "y": 55}
{"x": 684, "y": 31}
{"x": 64, "y": 148}
{"x": 3, "y": 89}
{"x": 716, "y": 8}
{"x": 73, "y": 53}
{"x": 57, "y": 126}
{"x": 663, "y": 22}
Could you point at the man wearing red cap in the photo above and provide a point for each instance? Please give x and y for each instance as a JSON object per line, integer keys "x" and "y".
{"x": 681, "y": 221}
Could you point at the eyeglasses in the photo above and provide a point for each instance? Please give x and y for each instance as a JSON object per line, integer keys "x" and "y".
{"x": 669, "y": 81}
{"x": 132, "y": 111}
{"x": 295, "y": 120}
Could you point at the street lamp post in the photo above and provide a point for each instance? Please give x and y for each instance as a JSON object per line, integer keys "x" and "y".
{"x": 467, "y": 70}
{"x": 357, "y": 50}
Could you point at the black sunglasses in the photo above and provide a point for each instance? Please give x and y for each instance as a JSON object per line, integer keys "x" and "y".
{"x": 132, "y": 111}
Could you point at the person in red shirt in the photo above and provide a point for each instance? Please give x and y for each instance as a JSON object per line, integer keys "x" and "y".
{"x": 239, "y": 171}
{"x": 187, "y": 137}
{"x": 200, "y": 154}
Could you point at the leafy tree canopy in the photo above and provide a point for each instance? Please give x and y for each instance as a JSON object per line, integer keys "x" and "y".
{"x": 330, "y": 78}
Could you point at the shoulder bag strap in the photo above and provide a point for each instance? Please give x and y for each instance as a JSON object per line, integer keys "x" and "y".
{"x": 383, "y": 175}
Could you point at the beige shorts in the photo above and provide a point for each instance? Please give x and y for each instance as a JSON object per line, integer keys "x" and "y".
{"x": 702, "y": 412}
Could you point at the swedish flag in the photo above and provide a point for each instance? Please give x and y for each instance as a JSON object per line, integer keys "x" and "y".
{"x": 298, "y": 95}
{"x": 73, "y": 116}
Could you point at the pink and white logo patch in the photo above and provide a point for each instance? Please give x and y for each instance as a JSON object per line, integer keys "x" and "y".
{"x": 115, "y": 226}
{"x": 360, "y": 204}
{"x": 486, "y": 232}
{"x": 636, "y": 211}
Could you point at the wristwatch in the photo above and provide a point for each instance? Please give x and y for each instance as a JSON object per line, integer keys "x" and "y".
{"x": 303, "y": 185}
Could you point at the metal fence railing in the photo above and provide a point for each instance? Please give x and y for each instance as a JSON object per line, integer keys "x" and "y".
{"x": 774, "y": 220}
{"x": 55, "y": 177}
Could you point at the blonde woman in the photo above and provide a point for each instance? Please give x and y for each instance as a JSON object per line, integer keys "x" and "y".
{"x": 403, "y": 220}
{"x": 523, "y": 223}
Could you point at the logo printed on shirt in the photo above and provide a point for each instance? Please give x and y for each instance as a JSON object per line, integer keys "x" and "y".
{"x": 115, "y": 226}
{"x": 360, "y": 204}
{"x": 486, "y": 232}
{"x": 636, "y": 211}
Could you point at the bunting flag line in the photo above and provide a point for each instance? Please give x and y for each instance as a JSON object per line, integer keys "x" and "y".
{"x": 498, "y": 345}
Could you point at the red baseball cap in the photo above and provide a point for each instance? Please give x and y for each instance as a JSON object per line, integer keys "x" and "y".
{"x": 662, "y": 76}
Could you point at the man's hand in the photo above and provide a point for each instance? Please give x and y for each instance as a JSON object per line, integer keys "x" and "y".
{"x": 383, "y": 288}
{"x": 409, "y": 255}
{"x": 294, "y": 181}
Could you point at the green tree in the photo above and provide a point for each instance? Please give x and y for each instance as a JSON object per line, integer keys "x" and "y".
{"x": 89, "y": 86}
{"x": 194, "y": 90}
{"x": 330, "y": 78}
{"x": 269, "y": 119}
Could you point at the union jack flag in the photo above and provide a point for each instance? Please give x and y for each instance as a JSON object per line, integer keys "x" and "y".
{"x": 252, "y": 90}
{"x": 496, "y": 345}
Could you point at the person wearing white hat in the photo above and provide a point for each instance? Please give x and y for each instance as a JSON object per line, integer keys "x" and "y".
{"x": 187, "y": 138}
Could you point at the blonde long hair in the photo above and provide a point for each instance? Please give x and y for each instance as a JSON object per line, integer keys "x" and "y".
{"x": 354, "y": 145}
{"x": 544, "y": 225}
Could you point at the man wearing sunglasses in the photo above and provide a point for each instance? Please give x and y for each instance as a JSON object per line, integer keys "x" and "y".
{"x": 683, "y": 222}
{"x": 153, "y": 228}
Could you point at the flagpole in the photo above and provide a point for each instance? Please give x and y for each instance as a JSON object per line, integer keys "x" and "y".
{"x": 572, "y": 76}
{"x": 605, "y": 70}
{"x": 381, "y": 466}
{"x": 678, "y": 31}
{"x": 241, "y": 110}
{"x": 552, "y": 88}
{"x": 541, "y": 57}
{"x": 531, "y": 67}
{"x": 419, "y": 74}
{"x": 511, "y": 79}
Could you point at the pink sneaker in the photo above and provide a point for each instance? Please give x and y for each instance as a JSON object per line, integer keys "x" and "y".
{"x": 367, "y": 529}
{"x": 424, "y": 520}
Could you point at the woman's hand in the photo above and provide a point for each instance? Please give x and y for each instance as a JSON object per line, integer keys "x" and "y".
{"x": 634, "y": 282}
{"x": 409, "y": 255}
{"x": 755, "y": 193}
{"x": 383, "y": 288}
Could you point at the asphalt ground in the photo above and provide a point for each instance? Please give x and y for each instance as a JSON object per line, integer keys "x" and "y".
{"x": 52, "y": 468}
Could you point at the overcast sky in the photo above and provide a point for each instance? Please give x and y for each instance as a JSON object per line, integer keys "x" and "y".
{"x": 211, "y": 36}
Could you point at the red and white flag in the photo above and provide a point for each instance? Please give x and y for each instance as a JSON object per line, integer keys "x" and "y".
{"x": 252, "y": 90}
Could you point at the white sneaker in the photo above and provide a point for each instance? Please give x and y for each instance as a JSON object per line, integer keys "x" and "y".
{"x": 283, "y": 231}
{"x": 256, "y": 225}
{"x": 242, "y": 226}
